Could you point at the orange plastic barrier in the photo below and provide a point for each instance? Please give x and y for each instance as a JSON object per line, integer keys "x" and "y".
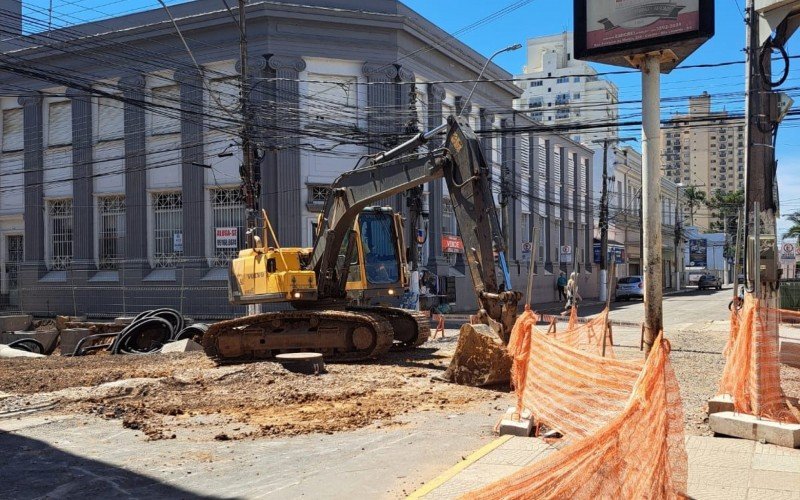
{"x": 752, "y": 367}
{"x": 622, "y": 420}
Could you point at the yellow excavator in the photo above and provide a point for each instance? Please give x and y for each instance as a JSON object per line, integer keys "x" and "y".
{"x": 359, "y": 252}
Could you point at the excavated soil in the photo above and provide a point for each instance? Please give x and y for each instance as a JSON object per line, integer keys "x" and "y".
{"x": 163, "y": 395}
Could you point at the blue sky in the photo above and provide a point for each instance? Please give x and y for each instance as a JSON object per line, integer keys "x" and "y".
{"x": 544, "y": 17}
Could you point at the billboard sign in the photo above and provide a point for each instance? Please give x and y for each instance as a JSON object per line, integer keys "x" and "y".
{"x": 226, "y": 237}
{"x": 698, "y": 253}
{"x": 616, "y": 253}
{"x": 611, "y": 31}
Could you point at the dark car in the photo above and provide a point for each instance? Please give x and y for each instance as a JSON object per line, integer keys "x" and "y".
{"x": 630, "y": 286}
{"x": 709, "y": 281}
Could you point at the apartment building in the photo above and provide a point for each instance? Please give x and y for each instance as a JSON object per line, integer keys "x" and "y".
{"x": 559, "y": 90}
{"x": 704, "y": 149}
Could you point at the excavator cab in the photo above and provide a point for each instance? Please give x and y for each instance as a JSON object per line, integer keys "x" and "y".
{"x": 378, "y": 273}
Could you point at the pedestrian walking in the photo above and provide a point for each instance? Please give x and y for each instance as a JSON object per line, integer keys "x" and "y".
{"x": 561, "y": 285}
{"x": 573, "y": 297}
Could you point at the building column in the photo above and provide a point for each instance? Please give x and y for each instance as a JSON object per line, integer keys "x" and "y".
{"x": 436, "y": 260}
{"x": 405, "y": 89}
{"x": 486, "y": 124}
{"x": 533, "y": 191}
{"x": 192, "y": 174}
{"x": 284, "y": 183}
{"x": 382, "y": 111}
{"x": 33, "y": 267}
{"x": 136, "y": 258}
{"x": 82, "y": 182}
{"x": 549, "y": 200}
{"x": 589, "y": 215}
{"x": 509, "y": 199}
{"x": 577, "y": 210}
{"x": 562, "y": 202}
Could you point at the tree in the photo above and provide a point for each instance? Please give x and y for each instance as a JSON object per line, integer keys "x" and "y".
{"x": 694, "y": 198}
{"x": 725, "y": 208}
{"x": 794, "y": 230}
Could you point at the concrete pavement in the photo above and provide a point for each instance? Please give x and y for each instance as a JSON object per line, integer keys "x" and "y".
{"x": 718, "y": 468}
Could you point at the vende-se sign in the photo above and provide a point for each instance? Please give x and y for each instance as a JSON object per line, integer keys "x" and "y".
{"x": 452, "y": 244}
{"x": 611, "y": 31}
{"x": 227, "y": 237}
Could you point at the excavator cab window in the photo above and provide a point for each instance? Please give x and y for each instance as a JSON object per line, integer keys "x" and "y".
{"x": 271, "y": 266}
{"x": 381, "y": 262}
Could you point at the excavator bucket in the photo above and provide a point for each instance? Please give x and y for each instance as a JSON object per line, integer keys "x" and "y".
{"x": 481, "y": 358}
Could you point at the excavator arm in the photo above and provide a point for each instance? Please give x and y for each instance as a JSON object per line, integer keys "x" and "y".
{"x": 461, "y": 164}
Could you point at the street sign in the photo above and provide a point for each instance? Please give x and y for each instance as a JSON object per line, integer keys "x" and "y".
{"x": 566, "y": 254}
{"x": 177, "y": 242}
{"x": 226, "y": 237}
{"x": 527, "y": 248}
{"x": 610, "y": 31}
{"x": 788, "y": 253}
{"x": 421, "y": 237}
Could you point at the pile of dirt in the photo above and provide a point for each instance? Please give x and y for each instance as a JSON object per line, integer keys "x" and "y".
{"x": 189, "y": 394}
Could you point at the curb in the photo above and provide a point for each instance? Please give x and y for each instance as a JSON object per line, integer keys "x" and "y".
{"x": 457, "y": 468}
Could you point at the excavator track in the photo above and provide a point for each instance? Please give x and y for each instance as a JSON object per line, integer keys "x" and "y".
{"x": 338, "y": 335}
{"x": 411, "y": 328}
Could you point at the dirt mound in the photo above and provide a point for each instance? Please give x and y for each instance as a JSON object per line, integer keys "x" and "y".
{"x": 189, "y": 394}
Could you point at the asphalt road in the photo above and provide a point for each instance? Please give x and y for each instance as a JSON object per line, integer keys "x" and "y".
{"x": 84, "y": 456}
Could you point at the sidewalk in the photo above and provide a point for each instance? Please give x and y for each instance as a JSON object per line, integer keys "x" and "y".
{"x": 586, "y": 310}
{"x": 718, "y": 468}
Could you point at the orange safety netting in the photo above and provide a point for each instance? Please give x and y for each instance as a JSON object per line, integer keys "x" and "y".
{"x": 622, "y": 420}
{"x": 752, "y": 366}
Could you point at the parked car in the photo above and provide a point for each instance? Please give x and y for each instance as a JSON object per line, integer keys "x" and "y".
{"x": 630, "y": 286}
{"x": 709, "y": 281}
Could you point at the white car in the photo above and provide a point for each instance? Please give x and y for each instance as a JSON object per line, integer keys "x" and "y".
{"x": 630, "y": 286}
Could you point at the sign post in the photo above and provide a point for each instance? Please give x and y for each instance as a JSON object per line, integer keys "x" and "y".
{"x": 653, "y": 36}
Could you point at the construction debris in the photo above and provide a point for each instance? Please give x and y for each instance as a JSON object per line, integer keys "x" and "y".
{"x": 185, "y": 345}
{"x": 10, "y": 352}
{"x": 480, "y": 359}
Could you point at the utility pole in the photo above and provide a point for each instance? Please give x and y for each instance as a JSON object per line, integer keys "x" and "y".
{"x": 604, "y": 227}
{"x": 248, "y": 173}
{"x": 650, "y": 65}
{"x": 250, "y": 178}
{"x": 604, "y": 215}
{"x": 678, "y": 239}
{"x": 760, "y": 161}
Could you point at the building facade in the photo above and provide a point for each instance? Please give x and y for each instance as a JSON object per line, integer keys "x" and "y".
{"x": 625, "y": 209}
{"x": 704, "y": 149}
{"x": 120, "y": 165}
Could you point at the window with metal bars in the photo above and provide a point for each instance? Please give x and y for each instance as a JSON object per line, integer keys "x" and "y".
{"x": 228, "y": 211}
{"x": 59, "y": 213}
{"x": 15, "y": 253}
{"x": 317, "y": 194}
{"x": 111, "y": 211}
{"x": 167, "y": 229}
{"x": 448, "y": 218}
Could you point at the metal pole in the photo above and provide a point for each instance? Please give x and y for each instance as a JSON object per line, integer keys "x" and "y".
{"x": 531, "y": 265}
{"x": 604, "y": 226}
{"x": 737, "y": 254}
{"x": 651, "y": 196}
{"x": 725, "y": 269}
{"x": 248, "y": 171}
{"x": 678, "y": 253}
